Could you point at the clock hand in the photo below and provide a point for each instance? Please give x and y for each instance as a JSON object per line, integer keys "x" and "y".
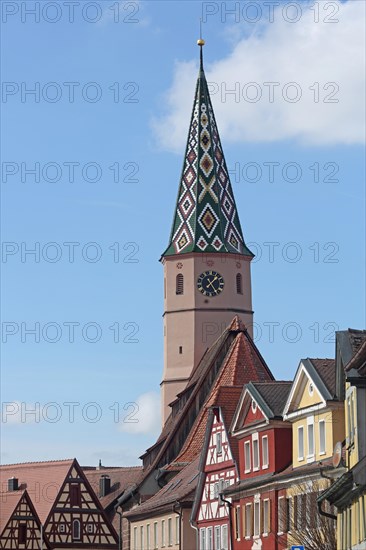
{"x": 210, "y": 283}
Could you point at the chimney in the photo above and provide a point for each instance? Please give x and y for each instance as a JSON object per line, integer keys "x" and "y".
{"x": 13, "y": 484}
{"x": 104, "y": 485}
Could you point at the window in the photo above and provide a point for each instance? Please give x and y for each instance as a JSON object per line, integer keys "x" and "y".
{"x": 61, "y": 528}
{"x": 219, "y": 443}
{"x": 321, "y": 437}
{"x": 216, "y": 490}
{"x": 248, "y": 521}
{"x": 254, "y": 406}
{"x": 257, "y": 514}
{"x": 310, "y": 438}
{"x": 22, "y": 533}
{"x": 170, "y": 532}
{"x": 300, "y": 443}
{"x": 180, "y": 350}
{"x": 247, "y": 457}
{"x": 239, "y": 283}
{"x": 265, "y": 451}
{"x": 282, "y": 515}
{"x": 301, "y": 512}
{"x": 255, "y": 452}
{"x": 203, "y": 539}
{"x": 75, "y": 497}
{"x": 76, "y": 529}
{"x": 351, "y": 418}
{"x": 177, "y": 529}
{"x": 221, "y": 489}
{"x": 135, "y": 538}
{"x": 90, "y": 528}
{"x": 217, "y": 537}
{"x": 155, "y": 534}
{"x": 163, "y": 532}
{"x": 266, "y": 518}
{"x": 237, "y": 523}
{"x": 148, "y": 547}
{"x": 142, "y": 537}
{"x": 209, "y": 539}
{"x": 224, "y": 538}
{"x": 179, "y": 284}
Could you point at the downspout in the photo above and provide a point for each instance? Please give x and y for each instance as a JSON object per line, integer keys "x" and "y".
{"x": 322, "y": 512}
{"x": 180, "y": 514}
{"x": 230, "y": 505}
{"x": 120, "y": 527}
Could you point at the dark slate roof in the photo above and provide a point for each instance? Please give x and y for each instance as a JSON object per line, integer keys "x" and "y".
{"x": 326, "y": 368}
{"x": 348, "y": 343}
{"x": 274, "y": 394}
{"x": 206, "y": 218}
{"x": 181, "y": 488}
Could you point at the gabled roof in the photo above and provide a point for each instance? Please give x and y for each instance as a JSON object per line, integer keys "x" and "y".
{"x": 43, "y": 479}
{"x": 322, "y": 373}
{"x": 8, "y": 503}
{"x": 181, "y": 489}
{"x": 122, "y": 479}
{"x": 270, "y": 397}
{"x": 206, "y": 217}
{"x": 241, "y": 365}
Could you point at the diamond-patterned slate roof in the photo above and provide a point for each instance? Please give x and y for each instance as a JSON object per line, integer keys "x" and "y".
{"x": 206, "y": 217}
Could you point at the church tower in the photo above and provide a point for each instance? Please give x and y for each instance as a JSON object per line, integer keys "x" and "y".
{"x": 206, "y": 264}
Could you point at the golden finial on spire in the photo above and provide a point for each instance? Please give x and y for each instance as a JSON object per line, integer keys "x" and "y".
{"x": 200, "y": 42}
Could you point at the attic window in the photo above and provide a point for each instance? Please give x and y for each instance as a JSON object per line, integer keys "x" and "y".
{"x": 76, "y": 529}
{"x": 22, "y": 533}
{"x": 311, "y": 389}
{"x": 254, "y": 406}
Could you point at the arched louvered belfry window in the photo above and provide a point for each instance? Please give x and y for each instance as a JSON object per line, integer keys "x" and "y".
{"x": 239, "y": 283}
{"x": 76, "y": 529}
{"x": 179, "y": 289}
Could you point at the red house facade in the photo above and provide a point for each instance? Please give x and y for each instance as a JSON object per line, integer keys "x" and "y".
{"x": 265, "y": 450}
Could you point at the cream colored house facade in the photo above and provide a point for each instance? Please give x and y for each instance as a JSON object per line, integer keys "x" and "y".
{"x": 167, "y": 530}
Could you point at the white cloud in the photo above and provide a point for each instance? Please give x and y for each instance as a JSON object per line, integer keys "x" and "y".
{"x": 305, "y": 53}
{"x": 143, "y": 415}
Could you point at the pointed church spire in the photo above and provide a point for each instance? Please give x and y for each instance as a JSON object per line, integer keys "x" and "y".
{"x": 206, "y": 218}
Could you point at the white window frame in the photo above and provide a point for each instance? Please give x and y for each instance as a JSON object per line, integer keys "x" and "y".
{"x": 247, "y": 455}
{"x": 255, "y": 439}
{"x": 310, "y": 424}
{"x": 322, "y": 452}
{"x": 224, "y": 537}
{"x": 217, "y": 537}
{"x": 209, "y": 538}
{"x": 257, "y": 524}
{"x": 156, "y": 536}
{"x": 177, "y": 529}
{"x": 300, "y": 456}
{"x": 219, "y": 443}
{"x": 163, "y": 533}
{"x": 142, "y": 537}
{"x": 237, "y": 523}
{"x": 135, "y": 538}
{"x": 202, "y": 538}
{"x": 266, "y": 524}
{"x": 170, "y": 532}
{"x": 248, "y": 506}
{"x": 265, "y": 465}
{"x": 78, "y": 535}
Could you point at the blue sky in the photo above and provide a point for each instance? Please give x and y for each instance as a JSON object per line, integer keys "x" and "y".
{"x": 312, "y": 211}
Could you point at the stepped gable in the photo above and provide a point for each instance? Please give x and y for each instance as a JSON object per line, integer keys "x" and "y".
{"x": 181, "y": 488}
{"x": 35, "y": 476}
{"x": 122, "y": 479}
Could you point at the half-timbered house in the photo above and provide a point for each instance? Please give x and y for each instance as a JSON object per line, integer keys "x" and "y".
{"x": 218, "y": 470}
{"x": 58, "y": 508}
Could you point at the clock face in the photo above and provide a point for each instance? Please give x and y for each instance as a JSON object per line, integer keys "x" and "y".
{"x": 210, "y": 283}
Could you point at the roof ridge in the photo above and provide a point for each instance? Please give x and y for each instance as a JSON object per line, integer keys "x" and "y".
{"x": 38, "y": 462}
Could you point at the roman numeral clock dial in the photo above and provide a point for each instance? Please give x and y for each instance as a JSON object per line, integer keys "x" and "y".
{"x": 210, "y": 283}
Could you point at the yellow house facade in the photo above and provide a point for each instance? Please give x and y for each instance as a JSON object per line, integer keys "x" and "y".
{"x": 348, "y": 492}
